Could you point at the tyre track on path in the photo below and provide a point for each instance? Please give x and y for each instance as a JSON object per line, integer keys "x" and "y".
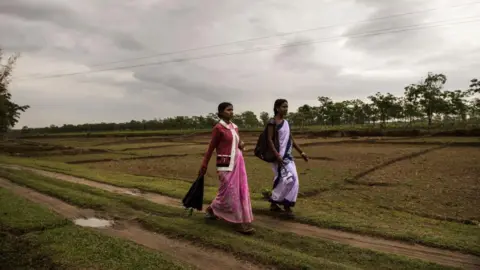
{"x": 435, "y": 255}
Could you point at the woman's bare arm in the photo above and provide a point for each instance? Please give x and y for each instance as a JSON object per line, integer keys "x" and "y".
{"x": 296, "y": 146}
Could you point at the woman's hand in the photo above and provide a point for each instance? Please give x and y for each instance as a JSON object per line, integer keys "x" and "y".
{"x": 280, "y": 160}
{"x": 242, "y": 147}
{"x": 304, "y": 156}
{"x": 202, "y": 171}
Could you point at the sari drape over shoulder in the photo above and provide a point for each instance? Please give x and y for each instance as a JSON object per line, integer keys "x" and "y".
{"x": 285, "y": 182}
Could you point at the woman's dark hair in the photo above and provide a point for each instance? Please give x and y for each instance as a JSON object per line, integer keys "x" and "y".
{"x": 279, "y": 102}
{"x": 222, "y": 106}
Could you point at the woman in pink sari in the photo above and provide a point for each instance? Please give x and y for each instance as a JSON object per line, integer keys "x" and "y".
{"x": 232, "y": 202}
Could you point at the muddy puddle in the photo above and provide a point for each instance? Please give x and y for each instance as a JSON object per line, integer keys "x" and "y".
{"x": 93, "y": 222}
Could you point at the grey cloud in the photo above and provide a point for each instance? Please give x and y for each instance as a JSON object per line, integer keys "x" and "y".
{"x": 39, "y": 11}
{"x": 299, "y": 56}
{"x": 63, "y": 16}
{"x": 21, "y": 37}
{"x": 382, "y": 43}
{"x": 193, "y": 81}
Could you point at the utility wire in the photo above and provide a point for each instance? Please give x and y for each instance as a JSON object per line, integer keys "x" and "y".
{"x": 280, "y": 35}
{"x": 285, "y": 34}
{"x": 284, "y": 45}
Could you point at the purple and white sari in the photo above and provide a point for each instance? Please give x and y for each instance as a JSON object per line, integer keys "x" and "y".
{"x": 285, "y": 183}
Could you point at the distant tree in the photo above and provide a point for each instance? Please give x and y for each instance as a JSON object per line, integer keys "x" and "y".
{"x": 330, "y": 111}
{"x": 359, "y": 116}
{"x": 371, "y": 112}
{"x": 212, "y": 119}
{"x": 386, "y": 105}
{"x": 475, "y": 86}
{"x": 411, "y": 105}
{"x": 249, "y": 119}
{"x": 9, "y": 111}
{"x": 264, "y": 116}
{"x": 431, "y": 94}
{"x": 455, "y": 104}
{"x": 306, "y": 115}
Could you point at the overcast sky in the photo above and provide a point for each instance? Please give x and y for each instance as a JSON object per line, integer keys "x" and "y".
{"x": 58, "y": 36}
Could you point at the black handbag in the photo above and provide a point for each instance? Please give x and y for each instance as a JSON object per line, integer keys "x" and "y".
{"x": 194, "y": 197}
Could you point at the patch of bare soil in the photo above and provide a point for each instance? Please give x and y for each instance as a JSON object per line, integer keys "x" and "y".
{"x": 180, "y": 250}
{"x": 435, "y": 255}
{"x": 444, "y": 183}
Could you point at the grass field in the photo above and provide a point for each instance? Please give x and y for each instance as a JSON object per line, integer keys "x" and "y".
{"x": 423, "y": 190}
{"x": 33, "y": 237}
{"x": 267, "y": 247}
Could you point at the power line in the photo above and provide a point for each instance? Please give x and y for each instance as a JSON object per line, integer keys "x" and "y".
{"x": 284, "y": 34}
{"x": 277, "y": 35}
{"x": 284, "y": 45}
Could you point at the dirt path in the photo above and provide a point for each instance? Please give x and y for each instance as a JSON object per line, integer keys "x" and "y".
{"x": 439, "y": 256}
{"x": 180, "y": 250}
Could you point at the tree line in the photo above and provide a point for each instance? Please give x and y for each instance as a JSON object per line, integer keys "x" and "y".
{"x": 426, "y": 101}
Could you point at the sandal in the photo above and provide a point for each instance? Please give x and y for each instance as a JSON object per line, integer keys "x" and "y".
{"x": 246, "y": 229}
{"x": 209, "y": 214}
{"x": 275, "y": 208}
{"x": 289, "y": 213}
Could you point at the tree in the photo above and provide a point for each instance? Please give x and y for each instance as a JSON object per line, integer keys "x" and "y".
{"x": 411, "y": 102}
{"x": 386, "y": 105}
{"x": 371, "y": 112}
{"x": 475, "y": 86}
{"x": 9, "y": 111}
{"x": 330, "y": 111}
{"x": 358, "y": 112}
{"x": 264, "y": 116}
{"x": 430, "y": 92}
{"x": 306, "y": 115}
{"x": 474, "y": 108}
{"x": 249, "y": 119}
{"x": 212, "y": 119}
{"x": 455, "y": 104}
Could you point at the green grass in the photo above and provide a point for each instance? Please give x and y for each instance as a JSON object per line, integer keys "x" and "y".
{"x": 80, "y": 157}
{"x": 279, "y": 248}
{"x": 283, "y": 250}
{"x": 169, "y": 187}
{"x": 32, "y": 237}
{"x": 18, "y": 216}
{"x": 77, "y": 247}
{"x": 336, "y": 208}
{"x": 132, "y": 146}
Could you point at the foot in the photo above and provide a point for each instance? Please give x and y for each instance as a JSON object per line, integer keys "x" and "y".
{"x": 289, "y": 212}
{"x": 209, "y": 214}
{"x": 246, "y": 229}
{"x": 275, "y": 208}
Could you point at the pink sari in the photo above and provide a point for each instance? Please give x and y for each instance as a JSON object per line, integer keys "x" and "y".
{"x": 232, "y": 203}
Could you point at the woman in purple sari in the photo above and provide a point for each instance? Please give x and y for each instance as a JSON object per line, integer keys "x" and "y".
{"x": 232, "y": 202}
{"x": 286, "y": 182}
